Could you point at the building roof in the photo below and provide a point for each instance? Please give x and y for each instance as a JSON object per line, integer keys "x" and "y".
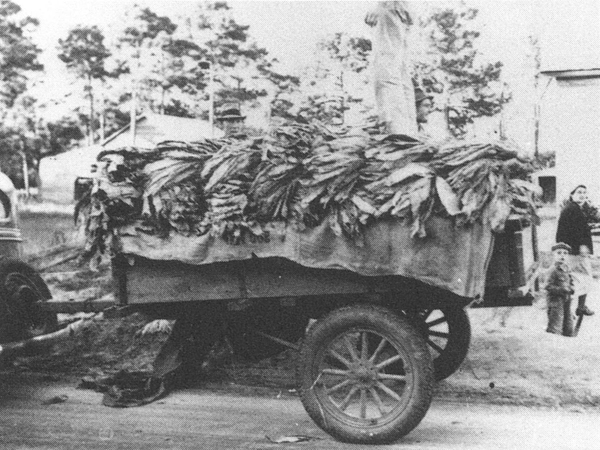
{"x": 154, "y": 128}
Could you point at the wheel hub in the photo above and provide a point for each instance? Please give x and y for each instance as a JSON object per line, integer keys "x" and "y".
{"x": 364, "y": 374}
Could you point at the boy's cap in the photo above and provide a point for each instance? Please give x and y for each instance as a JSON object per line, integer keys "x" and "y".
{"x": 562, "y": 245}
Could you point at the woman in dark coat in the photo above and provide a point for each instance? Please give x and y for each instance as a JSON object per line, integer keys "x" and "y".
{"x": 574, "y": 230}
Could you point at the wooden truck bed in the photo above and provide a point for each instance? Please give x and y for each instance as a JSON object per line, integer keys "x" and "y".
{"x": 141, "y": 281}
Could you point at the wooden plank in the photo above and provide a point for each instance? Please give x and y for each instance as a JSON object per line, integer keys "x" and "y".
{"x": 278, "y": 277}
{"x": 164, "y": 282}
{"x": 149, "y": 281}
{"x": 169, "y": 281}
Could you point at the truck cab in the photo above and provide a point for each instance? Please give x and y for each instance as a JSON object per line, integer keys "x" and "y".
{"x": 10, "y": 234}
{"x": 21, "y": 287}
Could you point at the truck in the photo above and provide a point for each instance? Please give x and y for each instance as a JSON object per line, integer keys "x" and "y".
{"x": 375, "y": 325}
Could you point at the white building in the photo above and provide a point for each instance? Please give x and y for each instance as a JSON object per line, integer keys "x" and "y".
{"x": 570, "y": 127}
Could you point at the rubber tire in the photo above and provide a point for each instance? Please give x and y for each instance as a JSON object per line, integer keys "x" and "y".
{"x": 457, "y": 347}
{"x": 392, "y": 327}
{"x": 21, "y": 318}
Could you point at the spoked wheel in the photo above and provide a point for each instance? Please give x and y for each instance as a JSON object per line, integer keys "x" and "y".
{"x": 21, "y": 291}
{"x": 365, "y": 375}
{"x": 448, "y": 335}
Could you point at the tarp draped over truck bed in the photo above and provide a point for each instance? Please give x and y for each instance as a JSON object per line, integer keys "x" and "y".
{"x": 451, "y": 257}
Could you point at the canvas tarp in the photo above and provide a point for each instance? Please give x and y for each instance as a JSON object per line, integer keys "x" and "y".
{"x": 454, "y": 258}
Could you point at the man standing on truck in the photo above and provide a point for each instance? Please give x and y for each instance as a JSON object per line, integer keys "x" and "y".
{"x": 424, "y": 104}
{"x": 394, "y": 91}
{"x": 231, "y": 121}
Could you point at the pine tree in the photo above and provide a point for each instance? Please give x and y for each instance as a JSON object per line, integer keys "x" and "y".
{"x": 243, "y": 71}
{"x": 18, "y": 53}
{"x": 141, "y": 58}
{"x": 18, "y": 60}
{"x": 451, "y": 69}
{"x": 337, "y": 81}
{"x": 84, "y": 53}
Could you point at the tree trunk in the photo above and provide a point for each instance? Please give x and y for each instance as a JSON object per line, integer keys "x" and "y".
{"x": 133, "y": 108}
{"x": 102, "y": 126}
{"x": 91, "y": 95}
{"x": 343, "y": 103}
{"x": 132, "y": 113}
{"x": 25, "y": 172}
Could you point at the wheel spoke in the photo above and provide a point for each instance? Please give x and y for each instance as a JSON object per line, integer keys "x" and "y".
{"x": 435, "y": 322}
{"x": 338, "y": 386}
{"x": 364, "y": 350}
{"x": 340, "y": 358}
{"x": 378, "y": 350}
{"x": 350, "y": 348}
{"x": 390, "y": 376}
{"x": 348, "y": 398}
{"x": 438, "y": 334}
{"x": 388, "y": 361}
{"x": 388, "y": 391}
{"x": 378, "y": 401}
{"x": 363, "y": 403}
{"x": 337, "y": 372}
{"x": 435, "y": 346}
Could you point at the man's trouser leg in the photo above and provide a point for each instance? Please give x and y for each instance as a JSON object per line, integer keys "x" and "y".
{"x": 567, "y": 318}
{"x": 555, "y": 317}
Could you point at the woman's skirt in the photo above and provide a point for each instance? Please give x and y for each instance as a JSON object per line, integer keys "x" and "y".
{"x": 581, "y": 270}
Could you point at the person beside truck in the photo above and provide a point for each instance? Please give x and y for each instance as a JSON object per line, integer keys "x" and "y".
{"x": 573, "y": 229}
{"x": 560, "y": 288}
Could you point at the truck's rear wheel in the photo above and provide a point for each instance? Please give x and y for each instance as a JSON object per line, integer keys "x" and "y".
{"x": 365, "y": 375}
{"x": 21, "y": 291}
{"x": 448, "y": 334}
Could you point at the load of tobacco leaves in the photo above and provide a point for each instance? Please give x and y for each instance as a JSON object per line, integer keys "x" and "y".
{"x": 303, "y": 175}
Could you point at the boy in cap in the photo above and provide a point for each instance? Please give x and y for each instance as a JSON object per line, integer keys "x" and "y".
{"x": 559, "y": 288}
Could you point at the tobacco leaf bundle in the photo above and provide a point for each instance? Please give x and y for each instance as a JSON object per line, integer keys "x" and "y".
{"x": 305, "y": 174}
{"x": 488, "y": 175}
{"x": 334, "y": 173}
{"x": 177, "y": 162}
{"x": 275, "y": 187}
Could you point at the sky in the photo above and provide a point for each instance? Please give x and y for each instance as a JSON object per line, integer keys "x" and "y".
{"x": 289, "y": 29}
{"x": 570, "y": 29}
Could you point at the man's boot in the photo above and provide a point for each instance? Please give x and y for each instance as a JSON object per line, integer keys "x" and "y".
{"x": 583, "y": 310}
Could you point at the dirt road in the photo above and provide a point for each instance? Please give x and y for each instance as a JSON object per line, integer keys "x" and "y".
{"x": 225, "y": 419}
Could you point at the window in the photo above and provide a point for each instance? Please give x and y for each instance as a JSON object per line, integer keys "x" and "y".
{"x": 5, "y": 207}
